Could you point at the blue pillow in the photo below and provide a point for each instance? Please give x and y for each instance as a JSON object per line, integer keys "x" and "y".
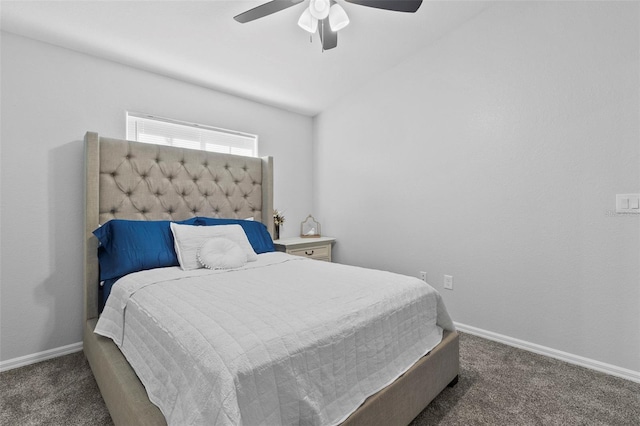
{"x": 128, "y": 246}
{"x": 257, "y": 232}
{"x": 103, "y": 293}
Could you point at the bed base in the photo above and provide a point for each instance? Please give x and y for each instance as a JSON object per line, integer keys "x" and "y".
{"x": 401, "y": 401}
{"x": 123, "y": 393}
{"x": 397, "y": 404}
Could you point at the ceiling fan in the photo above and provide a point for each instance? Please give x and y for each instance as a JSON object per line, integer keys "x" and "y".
{"x": 325, "y": 16}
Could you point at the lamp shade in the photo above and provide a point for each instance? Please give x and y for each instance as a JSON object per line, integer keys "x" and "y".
{"x": 338, "y": 18}
{"x": 308, "y": 22}
{"x": 319, "y": 8}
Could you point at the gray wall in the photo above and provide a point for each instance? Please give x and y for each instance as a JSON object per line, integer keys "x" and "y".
{"x": 494, "y": 155}
{"x": 50, "y": 98}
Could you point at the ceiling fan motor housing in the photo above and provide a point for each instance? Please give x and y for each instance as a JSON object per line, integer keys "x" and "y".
{"x": 319, "y": 8}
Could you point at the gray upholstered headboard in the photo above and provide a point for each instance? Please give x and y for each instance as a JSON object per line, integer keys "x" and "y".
{"x": 138, "y": 181}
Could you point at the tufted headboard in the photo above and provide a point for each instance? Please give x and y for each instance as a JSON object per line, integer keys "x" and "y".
{"x": 138, "y": 181}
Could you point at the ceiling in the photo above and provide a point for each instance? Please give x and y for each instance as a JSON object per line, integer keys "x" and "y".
{"x": 270, "y": 60}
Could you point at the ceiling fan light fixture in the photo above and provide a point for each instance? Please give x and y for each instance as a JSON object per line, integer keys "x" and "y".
{"x": 338, "y": 18}
{"x": 319, "y": 8}
{"x": 307, "y": 22}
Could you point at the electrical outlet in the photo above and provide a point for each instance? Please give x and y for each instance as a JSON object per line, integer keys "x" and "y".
{"x": 423, "y": 276}
{"x": 448, "y": 282}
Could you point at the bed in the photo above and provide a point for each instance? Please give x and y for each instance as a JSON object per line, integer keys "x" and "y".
{"x": 134, "y": 181}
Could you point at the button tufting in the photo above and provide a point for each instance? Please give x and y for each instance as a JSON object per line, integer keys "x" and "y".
{"x": 128, "y": 193}
{"x": 205, "y": 164}
{"x": 128, "y": 156}
{"x": 113, "y": 174}
{"x": 113, "y": 211}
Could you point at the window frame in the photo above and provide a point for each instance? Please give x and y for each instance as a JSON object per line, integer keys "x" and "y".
{"x": 204, "y": 145}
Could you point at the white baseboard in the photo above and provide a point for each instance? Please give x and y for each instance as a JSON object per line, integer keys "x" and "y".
{"x": 592, "y": 364}
{"x": 613, "y": 370}
{"x": 40, "y": 356}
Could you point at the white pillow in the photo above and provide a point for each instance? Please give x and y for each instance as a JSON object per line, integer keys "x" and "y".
{"x": 221, "y": 253}
{"x": 189, "y": 238}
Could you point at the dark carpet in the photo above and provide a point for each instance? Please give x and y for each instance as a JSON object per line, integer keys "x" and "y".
{"x": 499, "y": 385}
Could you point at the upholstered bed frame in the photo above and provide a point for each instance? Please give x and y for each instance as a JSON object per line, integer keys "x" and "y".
{"x": 130, "y": 180}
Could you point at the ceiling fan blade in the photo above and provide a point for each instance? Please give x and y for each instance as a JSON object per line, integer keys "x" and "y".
{"x": 265, "y": 10}
{"x": 328, "y": 37}
{"x": 396, "y": 5}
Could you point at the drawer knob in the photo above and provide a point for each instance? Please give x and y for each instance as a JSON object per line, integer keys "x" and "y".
{"x": 309, "y": 253}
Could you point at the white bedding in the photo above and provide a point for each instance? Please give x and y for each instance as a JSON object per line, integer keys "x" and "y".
{"x": 281, "y": 341}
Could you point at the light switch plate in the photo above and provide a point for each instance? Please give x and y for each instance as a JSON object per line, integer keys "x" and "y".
{"x": 628, "y": 203}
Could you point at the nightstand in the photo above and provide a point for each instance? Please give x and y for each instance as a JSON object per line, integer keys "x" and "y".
{"x": 313, "y": 248}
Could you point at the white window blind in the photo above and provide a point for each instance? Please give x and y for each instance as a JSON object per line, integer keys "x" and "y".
{"x": 164, "y": 131}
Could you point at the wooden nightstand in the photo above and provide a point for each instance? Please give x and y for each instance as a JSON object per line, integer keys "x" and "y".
{"x": 313, "y": 248}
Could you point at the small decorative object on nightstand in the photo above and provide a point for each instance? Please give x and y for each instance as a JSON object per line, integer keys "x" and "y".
{"x": 310, "y": 228}
{"x": 319, "y": 248}
{"x": 278, "y": 221}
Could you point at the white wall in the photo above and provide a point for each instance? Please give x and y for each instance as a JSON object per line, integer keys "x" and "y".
{"x": 494, "y": 156}
{"x": 50, "y": 98}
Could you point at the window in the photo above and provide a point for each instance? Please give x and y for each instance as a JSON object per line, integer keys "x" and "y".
{"x": 164, "y": 131}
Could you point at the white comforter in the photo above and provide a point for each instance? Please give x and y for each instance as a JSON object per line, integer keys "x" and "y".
{"x": 282, "y": 341}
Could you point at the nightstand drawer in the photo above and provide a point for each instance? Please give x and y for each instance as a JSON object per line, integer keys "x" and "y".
{"x": 312, "y": 248}
{"x": 318, "y": 252}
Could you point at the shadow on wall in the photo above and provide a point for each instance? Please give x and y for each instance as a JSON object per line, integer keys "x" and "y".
{"x": 62, "y": 292}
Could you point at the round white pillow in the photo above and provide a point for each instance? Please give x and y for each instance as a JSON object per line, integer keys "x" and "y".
{"x": 221, "y": 253}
